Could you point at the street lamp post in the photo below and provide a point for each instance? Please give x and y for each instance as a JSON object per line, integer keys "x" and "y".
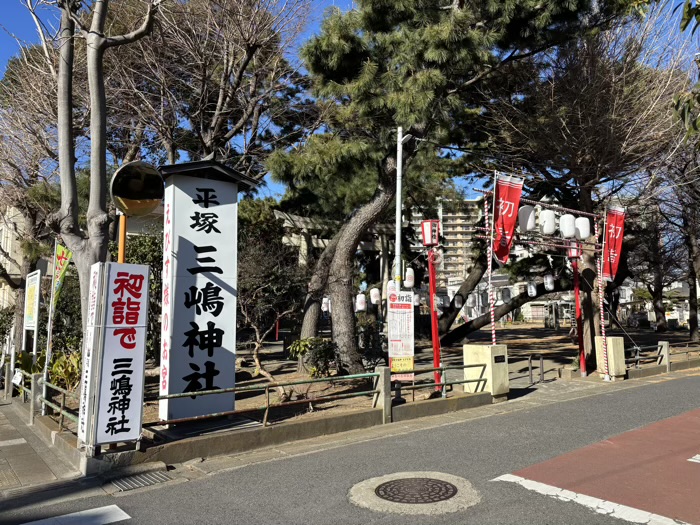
{"x": 401, "y": 139}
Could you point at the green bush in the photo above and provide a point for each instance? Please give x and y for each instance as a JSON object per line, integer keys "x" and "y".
{"x": 319, "y": 354}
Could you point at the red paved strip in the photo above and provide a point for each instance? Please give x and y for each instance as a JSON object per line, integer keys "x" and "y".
{"x": 647, "y": 469}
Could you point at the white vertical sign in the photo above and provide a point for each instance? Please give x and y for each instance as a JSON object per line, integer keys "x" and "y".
{"x": 198, "y": 340}
{"x": 119, "y": 406}
{"x": 401, "y": 339}
{"x": 32, "y": 293}
{"x": 86, "y": 381}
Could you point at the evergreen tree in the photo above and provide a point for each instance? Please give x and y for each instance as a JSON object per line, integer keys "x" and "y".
{"x": 423, "y": 65}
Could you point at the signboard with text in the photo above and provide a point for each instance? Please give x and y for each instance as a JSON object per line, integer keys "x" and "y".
{"x": 119, "y": 404}
{"x": 401, "y": 343}
{"x": 32, "y": 293}
{"x": 198, "y": 338}
{"x": 111, "y": 396}
{"x": 86, "y": 379}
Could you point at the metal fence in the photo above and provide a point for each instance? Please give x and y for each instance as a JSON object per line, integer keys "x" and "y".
{"x": 380, "y": 390}
{"x": 662, "y": 353}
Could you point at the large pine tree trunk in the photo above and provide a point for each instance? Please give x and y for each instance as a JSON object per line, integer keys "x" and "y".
{"x": 317, "y": 287}
{"x": 590, "y": 303}
{"x": 341, "y": 269}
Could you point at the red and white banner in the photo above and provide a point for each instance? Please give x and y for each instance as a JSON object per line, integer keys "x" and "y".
{"x": 614, "y": 232}
{"x": 505, "y": 214}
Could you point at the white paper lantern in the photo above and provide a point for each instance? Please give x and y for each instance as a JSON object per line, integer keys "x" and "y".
{"x": 458, "y": 301}
{"x": 532, "y": 288}
{"x": 567, "y": 226}
{"x": 549, "y": 282}
{"x": 325, "y": 304}
{"x": 391, "y": 287}
{"x": 471, "y": 301}
{"x": 375, "y": 296}
{"x": 583, "y": 228}
{"x": 410, "y": 279}
{"x": 526, "y": 218}
{"x": 548, "y": 223}
{"x": 416, "y": 299}
{"x": 360, "y": 302}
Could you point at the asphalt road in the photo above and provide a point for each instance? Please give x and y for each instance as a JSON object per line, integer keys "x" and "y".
{"x": 309, "y": 485}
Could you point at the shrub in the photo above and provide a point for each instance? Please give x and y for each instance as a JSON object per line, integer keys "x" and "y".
{"x": 319, "y": 354}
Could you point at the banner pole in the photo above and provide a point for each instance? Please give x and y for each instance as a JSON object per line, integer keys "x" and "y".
{"x": 490, "y": 266}
{"x": 601, "y": 297}
{"x": 49, "y": 333}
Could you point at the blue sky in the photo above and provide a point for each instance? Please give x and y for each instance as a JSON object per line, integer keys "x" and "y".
{"x": 16, "y": 24}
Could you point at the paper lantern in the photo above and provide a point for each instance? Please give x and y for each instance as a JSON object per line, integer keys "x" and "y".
{"x": 410, "y": 279}
{"x": 325, "y": 304}
{"x": 416, "y": 299}
{"x": 458, "y": 301}
{"x": 471, "y": 301}
{"x": 549, "y": 282}
{"x": 360, "y": 302}
{"x": 532, "y": 288}
{"x": 526, "y": 218}
{"x": 505, "y": 294}
{"x": 375, "y": 296}
{"x": 431, "y": 232}
{"x": 548, "y": 223}
{"x": 583, "y": 228}
{"x": 567, "y": 226}
{"x": 391, "y": 287}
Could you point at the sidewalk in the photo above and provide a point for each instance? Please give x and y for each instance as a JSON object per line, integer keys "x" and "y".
{"x": 25, "y": 460}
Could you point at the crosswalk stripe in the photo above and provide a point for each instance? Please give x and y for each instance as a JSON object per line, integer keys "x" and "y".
{"x": 601, "y": 506}
{"x": 10, "y": 442}
{"x": 98, "y": 516}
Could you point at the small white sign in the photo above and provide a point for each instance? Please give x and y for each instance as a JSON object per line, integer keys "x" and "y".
{"x": 86, "y": 380}
{"x": 17, "y": 378}
{"x": 32, "y": 294}
{"x": 401, "y": 338}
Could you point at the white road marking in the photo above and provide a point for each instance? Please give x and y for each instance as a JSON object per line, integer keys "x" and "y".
{"x": 99, "y": 516}
{"x": 601, "y": 506}
{"x": 10, "y": 442}
{"x": 695, "y": 458}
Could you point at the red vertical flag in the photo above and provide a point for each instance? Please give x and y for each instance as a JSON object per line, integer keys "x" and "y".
{"x": 614, "y": 232}
{"x": 505, "y": 215}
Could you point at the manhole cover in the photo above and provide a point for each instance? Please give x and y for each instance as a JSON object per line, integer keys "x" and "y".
{"x": 416, "y": 490}
{"x": 422, "y": 492}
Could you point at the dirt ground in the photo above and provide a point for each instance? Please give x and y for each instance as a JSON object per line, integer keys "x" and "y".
{"x": 523, "y": 340}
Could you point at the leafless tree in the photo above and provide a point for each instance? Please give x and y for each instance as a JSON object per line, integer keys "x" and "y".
{"x": 596, "y": 122}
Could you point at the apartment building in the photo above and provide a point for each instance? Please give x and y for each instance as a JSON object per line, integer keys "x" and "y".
{"x": 11, "y": 232}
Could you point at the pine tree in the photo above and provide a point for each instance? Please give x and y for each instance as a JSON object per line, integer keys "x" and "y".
{"x": 423, "y": 65}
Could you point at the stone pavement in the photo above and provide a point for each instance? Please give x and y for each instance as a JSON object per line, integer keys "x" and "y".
{"x": 25, "y": 460}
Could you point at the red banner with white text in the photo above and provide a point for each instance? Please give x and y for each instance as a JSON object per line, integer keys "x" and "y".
{"x": 505, "y": 215}
{"x": 614, "y": 232}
